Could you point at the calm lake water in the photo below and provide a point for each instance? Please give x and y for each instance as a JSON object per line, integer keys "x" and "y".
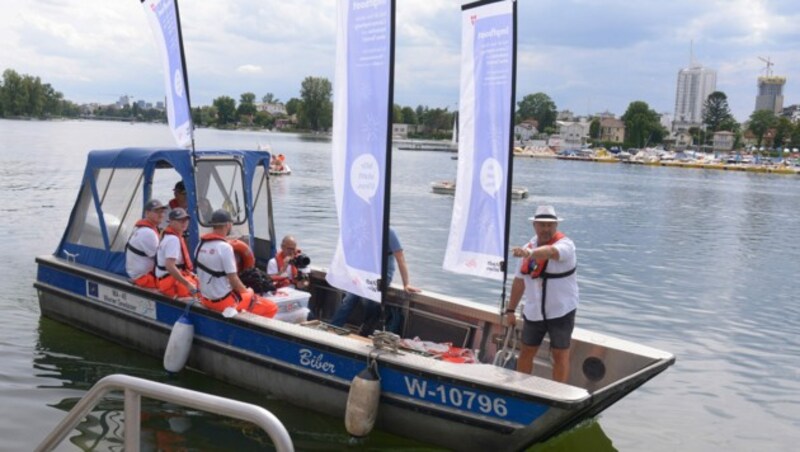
{"x": 703, "y": 264}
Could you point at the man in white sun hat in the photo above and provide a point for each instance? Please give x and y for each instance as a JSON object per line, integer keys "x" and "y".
{"x": 549, "y": 283}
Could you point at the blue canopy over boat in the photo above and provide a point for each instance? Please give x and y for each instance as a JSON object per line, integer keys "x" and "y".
{"x": 116, "y": 184}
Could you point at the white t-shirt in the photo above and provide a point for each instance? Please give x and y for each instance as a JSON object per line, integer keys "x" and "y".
{"x": 218, "y": 256}
{"x": 272, "y": 269}
{"x": 562, "y": 293}
{"x": 145, "y": 240}
{"x": 169, "y": 248}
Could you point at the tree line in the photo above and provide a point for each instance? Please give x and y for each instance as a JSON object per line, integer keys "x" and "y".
{"x": 26, "y": 96}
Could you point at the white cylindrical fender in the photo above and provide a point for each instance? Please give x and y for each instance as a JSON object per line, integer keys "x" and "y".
{"x": 179, "y": 344}
{"x": 362, "y": 402}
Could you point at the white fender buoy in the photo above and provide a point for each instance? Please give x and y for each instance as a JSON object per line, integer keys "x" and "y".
{"x": 362, "y": 402}
{"x": 179, "y": 344}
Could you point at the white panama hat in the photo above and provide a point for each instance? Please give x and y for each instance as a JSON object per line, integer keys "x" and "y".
{"x": 545, "y": 214}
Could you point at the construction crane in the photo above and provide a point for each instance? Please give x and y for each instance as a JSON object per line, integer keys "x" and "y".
{"x": 768, "y": 69}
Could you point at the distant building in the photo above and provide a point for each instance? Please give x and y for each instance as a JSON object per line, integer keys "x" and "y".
{"x": 573, "y": 134}
{"x": 695, "y": 84}
{"x": 723, "y": 141}
{"x": 400, "y": 131}
{"x": 123, "y": 101}
{"x": 160, "y": 105}
{"x": 273, "y": 108}
{"x": 612, "y": 129}
{"x": 665, "y": 120}
{"x": 770, "y": 94}
{"x": 565, "y": 115}
{"x": 526, "y": 130}
{"x": 792, "y": 112}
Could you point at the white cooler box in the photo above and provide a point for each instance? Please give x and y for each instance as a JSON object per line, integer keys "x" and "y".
{"x": 292, "y": 304}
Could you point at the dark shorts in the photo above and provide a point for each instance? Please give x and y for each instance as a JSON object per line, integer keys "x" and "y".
{"x": 560, "y": 331}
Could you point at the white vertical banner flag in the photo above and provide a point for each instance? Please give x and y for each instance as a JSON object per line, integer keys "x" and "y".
{"x": 360, "y": 137}
{"x": 476, "y": 244}
{"x": 162, "y": 15}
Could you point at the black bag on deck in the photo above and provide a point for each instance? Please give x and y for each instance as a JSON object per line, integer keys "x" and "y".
{"x": 257, "y": 279}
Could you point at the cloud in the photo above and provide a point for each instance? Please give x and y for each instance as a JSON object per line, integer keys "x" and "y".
{"x": 249, "y": 69}
{"x": 588, "y": 55}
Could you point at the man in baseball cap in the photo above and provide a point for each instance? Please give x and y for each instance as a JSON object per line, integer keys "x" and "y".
{"x": 173, "y": 261}
{"x": 142, "y": 246}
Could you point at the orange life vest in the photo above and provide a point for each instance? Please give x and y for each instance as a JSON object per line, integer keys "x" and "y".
{"x": 280, "y": 280}
{"x": 187, "y": 258}
{"x": 535, "y": 267}
{"x": 143, "y": 223}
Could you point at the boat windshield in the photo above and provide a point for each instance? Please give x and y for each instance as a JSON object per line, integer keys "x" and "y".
{"x": 220, "y": 186}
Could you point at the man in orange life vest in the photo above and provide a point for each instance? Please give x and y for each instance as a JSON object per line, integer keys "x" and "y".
{"x": 140, "y": 251}
{"x": 281, "y": 268}
{"x": 547, "y": 279}
{"x": 220, "y": 285}
{"x": 173, "y": 261}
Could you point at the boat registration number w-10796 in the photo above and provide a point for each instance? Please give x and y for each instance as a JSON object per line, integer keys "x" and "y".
{"x": 456, "y": 397}
{"x": 473, "y": 400}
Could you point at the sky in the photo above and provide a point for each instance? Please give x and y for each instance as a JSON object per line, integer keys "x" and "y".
{"x": 589, "y": 56}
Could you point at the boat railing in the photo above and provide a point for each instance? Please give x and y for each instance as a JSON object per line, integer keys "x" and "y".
{"x": 134, "y": 388}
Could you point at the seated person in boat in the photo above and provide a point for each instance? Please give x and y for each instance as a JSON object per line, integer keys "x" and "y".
{"x": 173, "y": 261}
{"x": 179, "y": 199}
{"x": 276, "y": 163}
{"x": 288, "y": 266}
{"x": 548, "y": 281}
{"x": 372, "y": 309}
{"x": 140, "y": 251}
{"x": 220, "y": 286}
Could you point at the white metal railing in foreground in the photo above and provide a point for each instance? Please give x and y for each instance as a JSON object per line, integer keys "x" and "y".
{"x": 135, "y": 388}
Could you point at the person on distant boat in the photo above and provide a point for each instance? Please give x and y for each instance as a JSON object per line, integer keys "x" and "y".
{"x": 173, "y": 261}
{"x": 549, "y": 283}
{"x": 140, "y": 251}
{"x": 220, "y": 286}
{"x": 372, "y": 309}
{"x": 288, "y": 266}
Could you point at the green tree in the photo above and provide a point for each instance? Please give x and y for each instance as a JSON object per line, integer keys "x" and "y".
{"x": 247, "y": 106}
{"x": 293, "y": 106}
{"x": 397, "y": 115}
{"x": 716, "y": 111}
{"x": 642, "y": 125}
{"x": 317, "y": 111}
{"x": 537, "y": 106}
{"x": 409, "y": 115}
{"x": 226, "y": 110}
{"x": 269, "y": 98}
{"x": 760, "y": 122}
{"x": 783, "y": 133}
{"x": 594, "y": 129}
{"x": 795, "y": 138}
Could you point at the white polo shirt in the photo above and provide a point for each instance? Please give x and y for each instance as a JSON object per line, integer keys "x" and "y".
{"x": 218, "y": 256}
{"x": 169, "y": 248}
{"x": 145, "y": 240}
{"x": 562, "y": 293}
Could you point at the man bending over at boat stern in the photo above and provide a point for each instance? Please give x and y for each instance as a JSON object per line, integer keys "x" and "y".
{"x": 173, "y": 261}
{"x": 220, "y": 286}
{"x": 140, "y": 251}
{"x": 549, "y": 283}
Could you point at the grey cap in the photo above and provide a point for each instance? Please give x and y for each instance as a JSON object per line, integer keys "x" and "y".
{"x": 220, "y": 217}
{"x": 153, "y": 204}
{"x": 178, "y": 213}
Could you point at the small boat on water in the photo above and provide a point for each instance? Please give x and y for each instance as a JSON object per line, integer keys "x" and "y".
{"x": 449, "y": 188}
{"x": 423, "y": 395}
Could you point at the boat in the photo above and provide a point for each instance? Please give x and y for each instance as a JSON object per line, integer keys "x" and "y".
{"x": 445, "y": 187}
{"x": 423, "y": 396}
{"x": 458, "y": 393}
{"x": 283, "y": 170}
{"x": 449, "y": 188}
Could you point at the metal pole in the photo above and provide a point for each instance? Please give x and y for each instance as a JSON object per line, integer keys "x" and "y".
{"x": 133, "y": 417}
